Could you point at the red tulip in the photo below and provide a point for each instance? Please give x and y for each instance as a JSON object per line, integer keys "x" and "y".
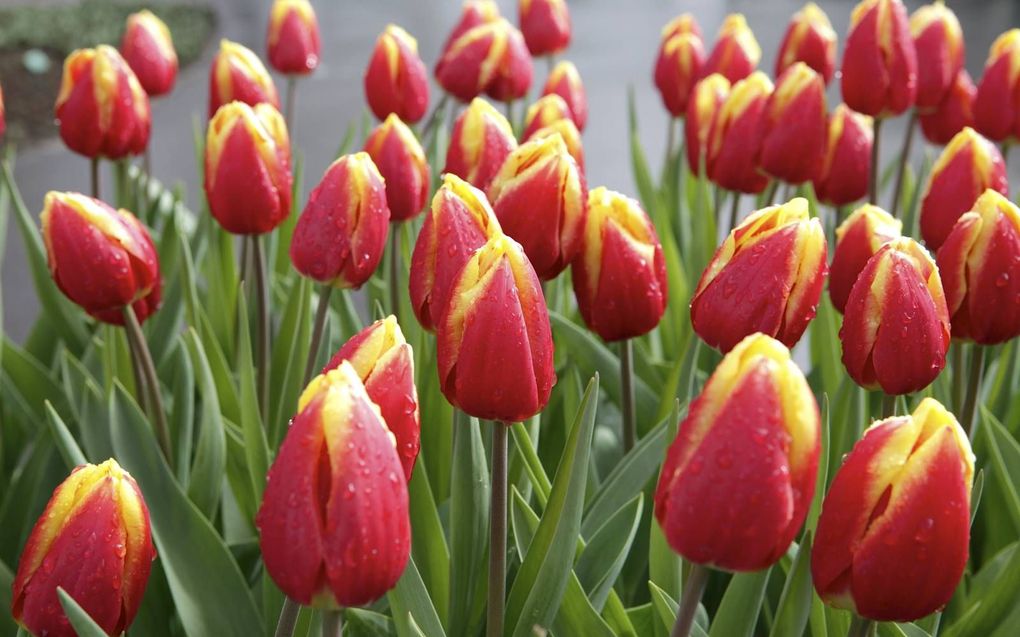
{"x": 473, "y": 13}
{"x": 879, "y": 61}
{"x": 545, "y": 25}
{"x": 293, "y": 37}
{"x": 565, "y": 81}
{"x": 546, "y": 110}
{"x": 401, "y": 160}
{"x": 858, "y": 238}
{"x": 491, "y": 58}
{"x": 149, "y": 51}
{"x": 997, "y": 101}
{"x": 794, "y": 126}
{"x": 237, "y": 74}
{"x": 679, "y": 63}
{"x": 734, "y": 142}
{"x": 683, "y": 23}
{"x": 480, "y": 142}
{"x": 938, "y": 39}
{"x": 736, "y": 52}
{"x": 844, "y": 171}
{"x": 706, "y": 101}
{"x": 396, "y": 80}
{"x": 954, "y": 112}
{"x": 810, "y": 39}
{"x": 567, "y": 131}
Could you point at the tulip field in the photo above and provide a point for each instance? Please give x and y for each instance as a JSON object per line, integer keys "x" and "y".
{"x": 772, "y": 389}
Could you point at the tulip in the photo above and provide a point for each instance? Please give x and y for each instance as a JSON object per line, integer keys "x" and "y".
{"x": 879, "y": 61}
{"x": 293, "y": 37}
{"x": 459, "y": 222}
{"x": 619, "y": 275}
{"x": 893, "y": 534}
{"x": 739, "y": 477}
{"x": 490, "y": 57}
{"x": 480, "y": 142}
{"x": 396, "y": 80}
{"x": 565, "y": 81}
{"x": 810, "y": 39}
{"x": 683, "y": 23}
{"x": 997, "y": 101}
{"x": 766, "y": 277}
{"x": 968, "y": 166}
{"x": 340, "y": 236}
{"x": 938, "y": 40}
{"x": 566, "y": 130}
{"x": 954, "y": 112}
{"x": 707, "y": 99}
{"x": 843, "y": 173}
{"x": 102, "y": 110}
{"x": 896, "y": 324}
{"x": 546, "y": 110}
{"x": 149, "y": 51}
{"x": 679, "y": 63}
{"x": 794, "y": 126}
{"x": 334, "y": 524}
{"x": 858, "y": 238}
{"x": 735, "y": 138}
{"x": 473, "y": 13}
{"x": 494, "y": 344}
{"x": 545, "y": 25}
{"x": 540, "y": 199}
{"x": 736, "y": 52}
{"x": 401, "y": 160}
{"x": 237, "y": 74}
{"x": 384, "y": 362}
{"x": 247, "y": 168}
{"x": 980, "y": 268}
{"x": 94, "y": 541}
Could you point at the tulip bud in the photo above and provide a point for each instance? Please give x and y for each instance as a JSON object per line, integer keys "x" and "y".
{"x": 545, "y": 25}
{"x": 237, "y": 74}
{"x": 459, "y": 222}
{"x": 954, "y": 112}
{"x": 566, "y": 130}
{"x": 980, "y": 268}
{"x": 736, "y": 52}
{"x": 94, "y": 541}
{"x": 938, "y": 40}
{"x": 490, "y": 58}
{"x": 996, "y": 107}
{"x": 546, "y": 110}
{"x": 293, "y": 37}
{"x": 844, "y": 171}
{"x": 858, "y": 238}
{"x": 494, "y": 344}
{"x": 734, "y": 141}
{"x": 396, "y": 80}
{"x": 619, "y": 275}
{"x": 738, "y": 479}
{"x": 540, "y": 199}
{"x": 149, "y": 51}
{"x": 480, "y": 142}
{"x": 565, "y": 81}
{"x": 879, "y": 74}
{"x": 679, "y": 63}
{"x": 767, "y": 277}
{"x": 892, "y": 537}
{"x": 473, "y": 13}
{"x": 102, "y": 110}
{"x": 385, "y": 363}
{"x": 401, "y": 160}
{"x": 795, "y": 126}
{"x": 100, "y": 258}
{"x": 334, "y": 524}
{"x": 247, "y": 168}
{"x": 896, "y": 325}
{"x": 340, "y": 237}
{"x": 968, "y": 166}
{"x": 707, "y": 99}
{"x": 810, "y": 39}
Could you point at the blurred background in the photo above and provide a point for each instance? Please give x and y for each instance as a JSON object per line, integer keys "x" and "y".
{"x": 614, "y": 47}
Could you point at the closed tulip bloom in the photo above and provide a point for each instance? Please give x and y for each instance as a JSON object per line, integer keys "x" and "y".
{"x": 893, "y": 534}
{"x": 683, "y": 23}
{"x": 490, "y": 58}
{"x": 736, "y": 52}
{"x": 794, "y": 126}
{"x": 494, "y": 344}
{"x": 340, "y": 237}
{"x": 567, "y": 131}
{"x": 397, "y": 152}
{"x": 540, "y": 199}
{"x": 810, "y": 39}
{"x": 100, "y": 258}
{"x": 879, "y": 74}
{"x": 845, "y": 168}
{"x": 293, "y": 37}
{"x": 385, "y": 363}
{"x": 545, "y": 25}
{"x": 954, "y": 112}
{"x": 678, "y": 65}
{"x": 149, "y": 51}
{"x": 938, "y": 40}
{"x": 619, "y": 275}
{"x": 247, "y": 168}
{"x": 739, "y": 477}
{"x": 472, "y": 14}
{"x": 858, "y": 238}
{"x": 706, "y": 101}
{"x": 102, "y": 110}
{"x": 980, "y": 268}
{"x": 94, "y": 541}
{"x": 997, "y": 101}
{"x": 896, "y": 324}
{"x": 459, "y": 222}
{"x": 396, "y": 80}
{"x": 334, "y": 526}
{"x": 734, "y": 142}
{"x": 237, "y": 74}
{"x": 546, "y": 110}
{"x": 480, "y": 142}
{"x": 968, "y": 166}
{"x": 766, "y": 277}
{"x": 565, "y": 81}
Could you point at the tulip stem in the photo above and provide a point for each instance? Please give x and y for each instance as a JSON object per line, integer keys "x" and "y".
{"x": 873, "y": 181}
{"x": 627, "y": 394}
{"x": 908, "y": 141}
{"x": 136, "y": 340}
{"x": 395, "y": 230}
{"x": 262, "y": 292}
{"x": 288, "y": 113}
{"x": 321, "y": 312}
{"x": 860, "y": 627}
{"x": 288, "y": 618}
{"x": 957, "y": 361}
{"x": 770, "y": 193}
{"x": 497, "y": 532}
{"x": 94, "y": 173}
{"x": 694, "y": 588}
{"x": 670, "y": 140}
{"x": 734, "y": 210}
{"x": 888, "y": 405}
{"x": 433, "y": 121}
{"x": 510, "y": 116}
{"x": 141, "y": 389}
{"x": 1005, "y": 153}
{"x": 332, "y": 623}
{"x": 977, "y": 370}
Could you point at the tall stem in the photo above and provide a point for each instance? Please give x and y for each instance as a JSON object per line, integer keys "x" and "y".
{"x": 1005, "y": 153}
{"x": 433, "y": 121}
{"x": 770, "y": 193}
{"x": 694, "y": 588}
{"x": 262, "y": 292}
{"x": 873, "y": 182}
{"x": 908, "y": 140}
{"x": 977, "y": 370}
{"x": 332, "y": 623}
{"x": 321, "y": 312}
{"x": 510, "y": 115}
{"x": 670, "y": 140}
{"x": 888, "y": 405}
{"x": 956, "y": 361}
{"x": 288, "y": 618}
{"x": 859, "y": 627}
{"x": 144, "y": 356}
{"x": 288, "y": 113}
{"x": 734, "y": 210}
{"x": 94, "y": 175}
{"x": 497, "y": 532}
{"x": 395, "y": 230}
{"x": 141, "y": 388}
{"x": 627, "y": 394}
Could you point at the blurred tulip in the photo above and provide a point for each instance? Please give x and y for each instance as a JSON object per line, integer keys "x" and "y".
{"x": 683, "y": 23}
{"x": 968, "y": 166}
{"x": 734, "y": 141}
{"x": 858, "y": 238}
{"x": 490, "y": 58}
{"x": 94, "y": 541}
{"x": 896, "y": 325}
{"x": 397, "y": 152}
{"x": 997, "y": 100}
{"x": 566, "y": 130}
{"x": 546, "y": 110}
{"x": 738, "y": 479}
{"x": 149, "y": 51}
{"x": 396, "y": 80}
{"x": 102, "y": 110}
{"x": 472, "y": 14}
{"x": 480, "y": 142}
{"x": 810, "y": 39}
{"x": 938, "y": 40}
{"x": 619, "y": 275}
{"x": 332, "y": 531}
{"x": 293, "y": 37}
{"x": 237, "y": 74}
{"x": 794, "y": 126}
{"x": 844, "y": 170}
{"x": 879, "y": 73}
{"x": 247, "y": 168}
{"x": 736, "y": 52}
{"x": 954, "y": 112}
{"x": 706, "y": 101}
{"x": 892, "y": 537}
{"x": 679, "y": 63}
{"x": 565, "y": 81}
{"x": 545, "y": 25}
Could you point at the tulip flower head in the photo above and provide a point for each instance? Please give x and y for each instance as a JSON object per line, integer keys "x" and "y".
{"x": 954, "y": 112}
{"x": 739, "y": 477}
{"x": 94, "y": 541}
{"x": 149, "y": 51}
{"x": 810, "y": 39}
{"x": 565, "y": 81}
{"x": 893, "y": 534}
{"x": 293, "y": 37}
{"x": 679, "y": 63}
{"x": 858, "y": 238}
{"x": 397, "y": 152}
{"x": 545, "y": 25}
{"x": 101, "y": 108}
{"x": 734, "y": 141}
{"x": 472, "y": 14}
{"x": 736, "y": 52}
{"x": 706, "y": 101}
{"x": 396, "y": 80}
{"x": 480, "y": 142}
{"x": 237, "y": 74}
{"x": 938, "y": 39}
{"x": 491, "y": 58}
{"x": 546, "y": 110}
{"x": 794, "y": 125}
{"x": 844, "y": 171}
{"x": 567, "y": 131}
{"x": 333, "y": 531}
{"x": 997, "y": 101}
{"x": 879, "y": 73}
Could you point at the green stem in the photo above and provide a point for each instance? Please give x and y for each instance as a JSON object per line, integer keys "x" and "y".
{"x": 432, "y": 123}
{"x": 497, "y": 532}
{"x": 670, "y": 140}
{"x": 908, "y": 140}
{"x": 734, "y": 210}
{"x": 510, "y": 116}
{"x": 1005, "y": 153}
{"x": 770, "y": 194}
{"x": 627, "y": 394}
{"x": 141, "y": 389}
{"x": 977, "y": 370}
{"x": 262, "y": 292}
{"x": 395, "y": 229}
{"x": 873, "y": 181}
{"x": 888, "y": 405}
{"x": 94, "y": 175}
{"x": 957, "y": 361}
{"x": 332, "y": 623}
{"x": 859, "y": 627}
{"x": 288, "y": 113}
{"x": 694, "y": 588}
{"x": 144, "y": 356}
{"x": 288, "y": 618}
{"x": 321, "y": 312}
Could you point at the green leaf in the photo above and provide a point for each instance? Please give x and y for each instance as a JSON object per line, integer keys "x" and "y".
{"x": 1005, "y": 453}
{"x": 603, "y": 558}
{"x": 665, "y": 606}
{"x": 256, "y": 449}
{"x": 428, "y": 542}
{"x": 84, "y": 625}
{"x": 290, "y": 349}
{"x": 210, "y": 460}
{"x": 794, "y": 607}
{"x": 738, "y": 612}
{"x": 412, "y": 607}
{"x": 469, "y": 527}
{"x": 32, "y": 380}
{"x": 532, "y": 463}
{"x": 65, "y": 442}
{"x": 823, "y": 470}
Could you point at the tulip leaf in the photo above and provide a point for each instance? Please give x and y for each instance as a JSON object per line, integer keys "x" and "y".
{"x": 6, "y": 581}
{"x": 65, "y": 442}
{"x": 602, "y": 559}
{"x": 31, "y": 379}
{"x": 663, "y": 562}
{"x": 1005, "y": 453}
{"x": 182, "y": 414}
{"x": 256, "y": 449}
{"x": 794, "y": 607}
{"x": 737, "y": 615}
{"x": 210, "y": 459}
{"x": 532, "y": 463}
{"x": 412, "y": 608}
{"x": 290, "y": 351}
{"x": 665, "y": 606}
{"x": 469, "y": 526}
{"x": 822, "y": 480}
{"x": 359, "y": 622}
{"x": 82, "y": 623}
{"x": 428, "y": 543}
